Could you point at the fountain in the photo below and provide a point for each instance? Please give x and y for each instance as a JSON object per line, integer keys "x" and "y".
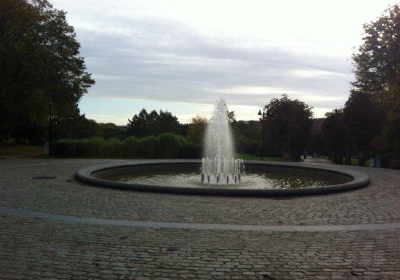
{"x": 218, "y": 165}
{"x": 221, "y": 174}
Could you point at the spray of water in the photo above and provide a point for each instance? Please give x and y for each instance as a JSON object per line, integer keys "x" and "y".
{"x": 218, "y": 164}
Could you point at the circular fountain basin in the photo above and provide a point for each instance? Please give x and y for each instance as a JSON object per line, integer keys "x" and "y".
{"x": 261, "y": 179}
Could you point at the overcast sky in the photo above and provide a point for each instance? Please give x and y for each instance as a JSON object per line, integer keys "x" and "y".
{"x": 182, "y": 55}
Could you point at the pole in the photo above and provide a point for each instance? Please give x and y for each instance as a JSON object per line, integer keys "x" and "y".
{"x": 50, "y": 130}
{"x": 262, "y": 138}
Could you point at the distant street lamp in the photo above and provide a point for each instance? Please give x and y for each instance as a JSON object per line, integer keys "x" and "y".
{"x": 262, "y": 113}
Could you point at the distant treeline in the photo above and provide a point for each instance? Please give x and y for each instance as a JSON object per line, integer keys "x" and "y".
{"x": 148, "y": 135}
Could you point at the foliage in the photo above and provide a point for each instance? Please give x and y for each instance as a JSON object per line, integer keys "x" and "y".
{"x": 377, "y": 69}
{"x": 11, "y": 149}
{"x": 148, "y": 147}
{"x": 131, "y": 147}
{"x": 166, "y": 145}
{"x": 74, "y": 126}
{"x": 360, "y": 110}
{"x": 109, "y": 130}
{"x": 42, "y": 75}
{"x": 153, "y": 123}
{"x": 288, "y": 123}
{"x": 316, "y": 142}
{"x": 197, "y": 130}
{"x": 253, "y": 157}
{"x": 335, "y": 134}
{"x": 246, "y": 145}
{"x": 169, "y": 145}
{"x": 249, "y": 129}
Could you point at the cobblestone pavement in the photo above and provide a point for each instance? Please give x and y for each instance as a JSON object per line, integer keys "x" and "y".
{"x": 33, "y": 248}
{"x": 378, "y": 203}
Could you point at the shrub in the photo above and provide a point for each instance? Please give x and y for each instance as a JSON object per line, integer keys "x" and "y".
{"x": 148, "y": 147}
{"x": 64, "y": 148}
{"x": 90, "y": 147}
{"x": 169, "y": 145}
{"x": 190, "y": 151}
{"x": 130, "y": 147}
{"x": 111, "y": 148}
{"x": 246, "y": 145}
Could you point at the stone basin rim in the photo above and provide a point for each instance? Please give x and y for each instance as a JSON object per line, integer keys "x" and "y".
{"x": 86, "y": 175}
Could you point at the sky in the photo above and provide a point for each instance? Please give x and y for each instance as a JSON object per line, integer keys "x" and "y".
{"x": 181, "y": 55}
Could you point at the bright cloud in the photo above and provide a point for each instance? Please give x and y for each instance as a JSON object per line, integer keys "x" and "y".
{"x": 183, "y": 55}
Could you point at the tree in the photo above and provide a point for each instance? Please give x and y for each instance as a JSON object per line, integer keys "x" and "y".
{"x": 42, "y": 76}
{"x": 335, "y": 134}
{"x": 377, "y": 69}
{"x": 74, "y": 126}
{"x": 250, "y": 129}
{"x": 138, "y": 125}
{"x": 109, "y": 130}
{"x": 288, "y": 123}
{"x": 363, "y": 121}
{"x": 145, "y": 124}
{"x": 196, "y": 129}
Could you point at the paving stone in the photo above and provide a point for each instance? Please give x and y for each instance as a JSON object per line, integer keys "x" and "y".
{"x": 38, "y": 248}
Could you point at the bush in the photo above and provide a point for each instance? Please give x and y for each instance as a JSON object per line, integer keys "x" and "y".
{"x": 190, "y": 151}
{"x": 169, "y": 145}
{"x": 64, "y": 149}
{"x": 112, "y": 148}
{"x": 148, "y": 147}
{"x": 246, "y": 145}
{"x": 90, "y": 147}
{"x": 130, "y": 147}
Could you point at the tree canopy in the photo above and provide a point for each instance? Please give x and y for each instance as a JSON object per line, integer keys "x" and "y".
{"x": 197, "y": 129}
{"x": 153, "y": 123}
{"x": 288, "y": 123}
{"x": 41, "y": 73}
{"x": 377, "y": 69}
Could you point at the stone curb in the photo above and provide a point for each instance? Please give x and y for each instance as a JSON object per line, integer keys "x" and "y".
{"x": 88, "y": 175}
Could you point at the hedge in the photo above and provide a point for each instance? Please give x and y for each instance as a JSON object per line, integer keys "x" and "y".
{"x": 166, "y": 145}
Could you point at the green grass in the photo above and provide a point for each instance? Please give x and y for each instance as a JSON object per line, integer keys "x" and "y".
{"x": 252, "y": 157}
{"x": 354, "y": 161}
{"x": 18, "y": 150}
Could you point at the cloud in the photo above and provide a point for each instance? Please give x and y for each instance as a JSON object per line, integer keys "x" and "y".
{"x": 174, "y": 63}
{"x": 140, "y": 51}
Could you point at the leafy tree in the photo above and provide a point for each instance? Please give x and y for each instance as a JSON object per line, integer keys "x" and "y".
{"x": 288, "y": 123}
{"x": 377, "y": 69}
{"x": 196, "y": 129}
{"x": 42, "y": 76}
{"x": 109, "y": 130}
{"x": 138, "y": 125}
{"x": 362, "y": 122}
{"x": 164, "y": 122}
{"x": 335, "y": 134}
{"x": 250, "y": 129}
{"x": 153, "y": 123}
{"x": 73, "y": 126}
{"x": 316, "y": 142}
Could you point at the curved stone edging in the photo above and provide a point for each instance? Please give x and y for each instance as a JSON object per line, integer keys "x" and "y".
{"x": 197, "y": 226}
{"x": 86, "y": 175}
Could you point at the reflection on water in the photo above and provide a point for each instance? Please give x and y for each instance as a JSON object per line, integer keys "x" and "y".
{"x": 270, "y": 179}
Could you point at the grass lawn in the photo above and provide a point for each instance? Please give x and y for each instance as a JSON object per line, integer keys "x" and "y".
{"x": 252, "y": 157}
{"x": 354, "y": 161}
{"x": 18, "y": 150}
